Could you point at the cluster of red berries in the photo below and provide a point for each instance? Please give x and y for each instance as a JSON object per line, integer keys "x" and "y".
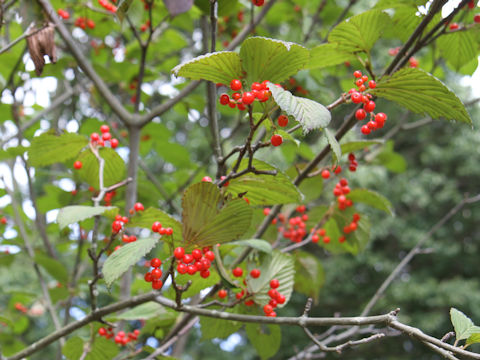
{"x": 476, "y": 18}
{"x": 259, "y": 91}
{"x": 64, "y": 14}
{"x": 320, "y": 233}
{"x": 197, "y": 261}
{"x": 296, "y": 229}
{"x": 145, "y": 26}
{"x": 108, "y": 6}
{"x": 353, "y": 226}
{"x": 258, "y": 2}
{"x": 106, "y": 136}
{"x": 353, "y": 162}
{"x": 358, "y": 97}
{"x": 118, "y": 223}
{"x": 158, "y": 228}
{"x": 121, "y": 338}
{"x": 341, "y": 189}
{"x": 108, "y": 197}
{"x": 326, "y": 173}
{"x": 20, "y": 307}
{"x": 154, "y": 276}
{"x": 83, "y": 23}
{"x": 275, "y": 299}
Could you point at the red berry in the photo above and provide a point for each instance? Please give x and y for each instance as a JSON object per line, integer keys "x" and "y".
{"x": 236, "y": 96}
{"x": 155, "y": 262}
{"x": 224, "y": 99}
{"x": 325, "y": 174}
{"x": 156, "y": 226}
{"x": 249, "y": 302}
{"x": 273, "y": 303}
{"x": 191, "y": 269}
{"x": 274, "y": 283}
{"x": 267, "y": 309}
{"x": 197, "y": 254}
{"x": 359, "y": 82}
{"x": 94, "y": 136}
{"x": 179, "y": 252}
{"x": 237, "y": 272}
{"x": 273, "y": 293}
{"x": 357, "y": 74}
{"x": 106, "y": 136}
{"x": 104, "y": 128}
{"x": 207, "y": 179}
{"x": 117, "y": 226}
{"x": 77, "y": 165}
{"x": 113, "y": 143}
{"x": 471, "y": 4}
{"x": 258, "y": 2}
{"x": 372, "y": 84}
{"x": 235, "y": 85}
{"x": 281, "y": 299}
{"x": 248, "y": 98}
{"x": 102, "y": 331}
{"x": 222, "y": 293}
{"x": 157, "y": 284}
{"x": 315, "y": 238}
{"x": 255, "y": 273}
{"x": 365, "y": 130}
{"x": 138, "y": 206}
{"x": 453, "y": 26}
{"x": 369, "y": 107}
{"x": 356, "y": 97}
{"x": 338, "y": 169}
{"x": 210, "y": 255}
{"x": 372, "y": 125}
{"x": 187, "y": 258}
{"x": 205, "y": 273}
{"x": 156, "y": 273}
{"x": 182, "y": 268}
{"x": 476, "y": 18}
{"x": 326, "y": 239}
{"x": 282, "y": 121}
{"x": 276, "y": 140}
{"x": 360, "y": 114}
{"x": 380, "y": 118}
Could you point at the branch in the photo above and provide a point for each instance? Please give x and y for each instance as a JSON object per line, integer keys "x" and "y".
{"x": 85, "y": 65}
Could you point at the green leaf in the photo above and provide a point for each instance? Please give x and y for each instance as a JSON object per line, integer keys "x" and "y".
{"x": 264, "y": 189}
{"x": 278, "y": 266}
{"x": 219, "y": 67}
{"x": 198, "y": 283}
{"x": 257, "y": 244}
{"x": 102, "y": 349}
{"x": 462, "y": 324}
{"x": 56, "y": 269}
{"x": 266, "y": 339}
{"x": 371, "y": 198}
{"x": 334, "y": 145}
{"x": 12, "y": 152}
{"x": 458, "y": 48}
{"x": 143, "y": 312}
{"x": 128, "y": 255}
{"x": 360, "y": 32}
{"x": 473, "y": 339}
{"x": 113, "y": 172}
{"x": 122, "y": 9}
{"x": 358, "y": 145}
{"x": 73, "y": 348}
{"x": 310, "y": 114}
{"x": 327, "y": 55}
{"x": 422, "y": 93}
{"x": 75, "y": 213}
{"x": 273, "y": 60}
{"x": 309, "y": 275}
{"x": 48, "y": 149}
{"x": 146, "y": 218}
{"x": 216, "y": 328}
{"x": 205, "y": 224}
